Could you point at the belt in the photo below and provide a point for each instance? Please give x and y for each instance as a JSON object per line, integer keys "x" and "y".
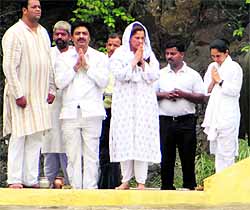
{"x": 179, "y": 118}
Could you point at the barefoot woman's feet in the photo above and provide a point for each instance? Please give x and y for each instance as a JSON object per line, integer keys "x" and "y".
{"x": 16, "y": 186}
{"x": 123, "y": 186}
{"x": 140, "y": 186}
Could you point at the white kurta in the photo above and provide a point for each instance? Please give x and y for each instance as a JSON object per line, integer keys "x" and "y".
{"x": 82, "y": 88}
{"x": 82, "y": 113}
{"x": 28, "y": 71}
{"x": 52, "y": 141}
{"x": 223, "y": 111}
{"x": 134, "y": 129}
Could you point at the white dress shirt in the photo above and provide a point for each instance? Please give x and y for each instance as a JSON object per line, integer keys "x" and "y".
{"x": 185, "y": 79}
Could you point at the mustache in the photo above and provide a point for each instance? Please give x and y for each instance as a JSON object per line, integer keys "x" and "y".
{"x": 60, "y": 41}
{"x": 81, "y": 39}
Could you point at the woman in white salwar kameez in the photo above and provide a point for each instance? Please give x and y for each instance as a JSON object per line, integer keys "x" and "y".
{"x": 134, "y": 130}
{"x": 223, "y": 80}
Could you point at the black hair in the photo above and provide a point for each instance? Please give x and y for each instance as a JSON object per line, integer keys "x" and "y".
{"x": 177, "y": 43}
{"x": 24, "y": 4}
{"x": 222, "y": 45}
{"x": 136, "y": 27}
{"x": 115, "y": 35}
{"x": 77, "y": 24}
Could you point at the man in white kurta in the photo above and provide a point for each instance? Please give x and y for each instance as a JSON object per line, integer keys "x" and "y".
{"x": 134, "y": 128}
{"x": 28, "y": 71}
{"x": 82, "y": 74}
{"x": 222, "y": 116}
{"x": 53, "y": 147}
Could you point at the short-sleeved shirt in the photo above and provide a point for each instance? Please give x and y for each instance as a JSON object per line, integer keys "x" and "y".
{"x": 186, "y": 79}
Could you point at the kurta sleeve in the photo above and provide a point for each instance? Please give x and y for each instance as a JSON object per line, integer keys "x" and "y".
{"x": 232, "y": 87}
{"x": 151, "y": 72}
{"x": 121, "y": 70}
{"x": 64, "y": 73}
{"x": 11, "y": 63}
{"x": 208, "y": 78}
{"x": 52, "y": 86}
{"x": 99, "y": 73}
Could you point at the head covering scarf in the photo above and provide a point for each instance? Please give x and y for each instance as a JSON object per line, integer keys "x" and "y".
{"x": 126, "y": 39}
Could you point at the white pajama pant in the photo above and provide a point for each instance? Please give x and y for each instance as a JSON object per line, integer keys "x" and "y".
{"x": 134, "y": 168}
{"x": 225, "y": 148}
{"x": 23, "y": 159}
{"x": 81, "y": 137}
{"x": 52, "y": 164}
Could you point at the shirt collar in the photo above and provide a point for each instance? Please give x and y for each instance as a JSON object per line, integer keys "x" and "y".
{"x": 27, "y": 27}
{"x": 183, "y": 68}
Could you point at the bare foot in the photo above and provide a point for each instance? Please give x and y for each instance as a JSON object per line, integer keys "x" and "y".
{"x": 140, "y": 186}
{"x": 16, "y": 186}
{"x": 123, "y": 186}
{"x": 35, "y": 186}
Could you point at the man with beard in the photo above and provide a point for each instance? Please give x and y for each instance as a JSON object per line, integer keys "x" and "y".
{"x": 82, "y": 74}
{"x": 53, "y": 148}
{"x": 179, "y": 89}
{"x": 28, "y": 91}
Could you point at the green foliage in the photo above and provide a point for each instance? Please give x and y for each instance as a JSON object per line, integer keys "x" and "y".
{"x": 205, "y": 163}
{"x": 239, "y": 31}
{"x": 107, "y": 11}
{"x": 245, "y": 48}
{"x": 244, "y": 150}
{"x": 204, "y": 167}
{"x": 3, "y": 161}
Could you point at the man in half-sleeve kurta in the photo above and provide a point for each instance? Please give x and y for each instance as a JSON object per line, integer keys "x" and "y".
{"x": 28, "y": 90}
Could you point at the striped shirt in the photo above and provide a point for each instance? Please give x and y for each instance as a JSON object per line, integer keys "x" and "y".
{"x": 28, "y": 71}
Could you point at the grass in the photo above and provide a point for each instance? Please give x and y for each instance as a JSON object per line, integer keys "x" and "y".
{"x": 204, "y": 167}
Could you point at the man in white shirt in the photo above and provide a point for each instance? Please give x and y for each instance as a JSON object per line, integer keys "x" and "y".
{"x": 82, "y": 74}
{"x": 53, "y": 148}
{"x": 179, "y": 89}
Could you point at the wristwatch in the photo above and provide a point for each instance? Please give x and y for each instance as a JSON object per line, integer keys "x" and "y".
{"x": 221, "y": 82}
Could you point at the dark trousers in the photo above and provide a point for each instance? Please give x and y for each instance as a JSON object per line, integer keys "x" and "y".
{"x": 178, "y": 132}
{"x": 110, "y": 176}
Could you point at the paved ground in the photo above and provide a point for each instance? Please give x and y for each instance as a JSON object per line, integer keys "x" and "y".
{"x": 180, "y": 207}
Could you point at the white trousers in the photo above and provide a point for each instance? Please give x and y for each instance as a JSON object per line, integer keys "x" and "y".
{"x": 23, "y": 159}
{"x": 134, "y": 168}
{"x": 52, "y": 164}
{"x": 81, "y": 137}
{"x": 225, "y": 148}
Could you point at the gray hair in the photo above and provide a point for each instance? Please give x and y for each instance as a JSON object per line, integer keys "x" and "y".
{"x": 64, "y": 25}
